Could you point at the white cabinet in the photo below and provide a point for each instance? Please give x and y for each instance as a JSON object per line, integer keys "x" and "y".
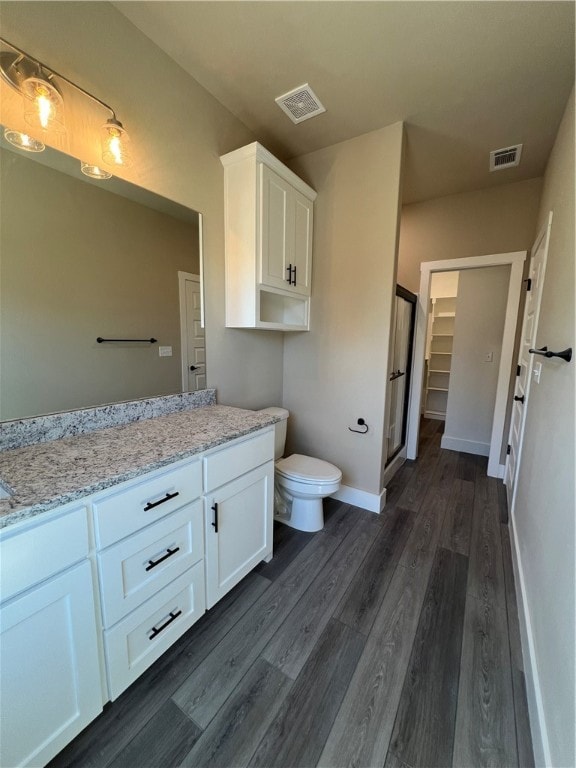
{"x": 286, "y": 248}
{"x": 269, "y": 221}
{"x": 161, "y": 547}
{"x": 239, "y": 513}
{"x": 50, "y": 669}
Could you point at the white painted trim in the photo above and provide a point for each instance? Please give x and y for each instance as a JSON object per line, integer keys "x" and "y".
{"x": 394, "y": 466}
{"x": 501, "y": 471}
{"x": 516, "y": 260}
{"x": 466, "y": 446}
{"x": 182, "y": 277}
{"x": 372, "y": 502}
{"x": 540, "y": 743}
{"x": 201, "y": 269}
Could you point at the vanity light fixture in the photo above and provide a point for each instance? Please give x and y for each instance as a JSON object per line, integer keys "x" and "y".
{"x": 23, "y": 141}
{"x": 40, "y": 88}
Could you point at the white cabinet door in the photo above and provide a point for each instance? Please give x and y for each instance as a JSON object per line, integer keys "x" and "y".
{"x": 276, "y": 244}
{"x": 286, "y": 235}
{"x": 50, "y": 675}
{"x": 238, "y": 529}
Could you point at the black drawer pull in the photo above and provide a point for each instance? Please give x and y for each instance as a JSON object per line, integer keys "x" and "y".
{"x": 214, "y": 524}
{"x": 152, "y": 504}
{"x": 157, "y": 630}
{"x": 294, "y": 276}
{"x": 169, "y": 553}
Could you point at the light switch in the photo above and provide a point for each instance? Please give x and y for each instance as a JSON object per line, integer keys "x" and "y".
{"x": 165, "y": 351}
{"x": 537, "y": 372}
{"x": 488, "y": 357}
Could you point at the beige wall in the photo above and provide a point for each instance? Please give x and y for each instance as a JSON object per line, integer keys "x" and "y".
{"x": 496, "y": 220}
{"x": 80, "y": 262}
{"x": 544, "y": 515}
{"x": 336, "y": 373}
{"x": 478, "y": 330}
{"x": 178, "y": 132}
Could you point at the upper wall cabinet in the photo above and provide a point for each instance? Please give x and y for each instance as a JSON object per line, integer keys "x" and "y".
{"x": 269, "y": 215}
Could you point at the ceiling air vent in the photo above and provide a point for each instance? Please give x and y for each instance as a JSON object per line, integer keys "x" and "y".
{"x": 505, "y": 158}
{"x": 300, "y": 104}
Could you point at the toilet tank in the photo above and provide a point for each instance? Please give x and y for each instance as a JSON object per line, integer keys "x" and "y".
{"x": 279, "y": 429}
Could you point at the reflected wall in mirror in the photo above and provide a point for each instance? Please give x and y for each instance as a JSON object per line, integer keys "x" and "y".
{"x": 82, "y": 259}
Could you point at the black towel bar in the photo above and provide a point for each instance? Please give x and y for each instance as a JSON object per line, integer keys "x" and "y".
{"x": 100, "y": 340}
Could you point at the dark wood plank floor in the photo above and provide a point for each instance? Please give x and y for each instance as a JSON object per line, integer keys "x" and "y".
{"x": 387, "y": 640}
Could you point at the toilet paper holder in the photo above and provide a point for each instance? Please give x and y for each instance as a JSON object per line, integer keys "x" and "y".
{"x": 361, "y": 423}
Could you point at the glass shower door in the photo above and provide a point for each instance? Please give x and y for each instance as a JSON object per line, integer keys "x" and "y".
{"x": 399, "y": 376}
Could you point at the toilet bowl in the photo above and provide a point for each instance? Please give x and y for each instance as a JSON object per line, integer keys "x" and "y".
{"x": 300, "y": 483}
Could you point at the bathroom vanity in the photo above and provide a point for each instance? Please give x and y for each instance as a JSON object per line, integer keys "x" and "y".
{"x": 113, "y": 544}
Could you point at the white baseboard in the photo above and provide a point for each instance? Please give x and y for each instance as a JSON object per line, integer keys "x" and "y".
{"x": 372, "y": 502}
{"x": 466, "y": 446}
{"x": 501, "y": 471}
{"x": 540, "y": 743}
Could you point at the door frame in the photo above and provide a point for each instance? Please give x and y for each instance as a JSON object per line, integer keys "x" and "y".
{"x": 516, "y": 261}
{"x": 182, "y": 277}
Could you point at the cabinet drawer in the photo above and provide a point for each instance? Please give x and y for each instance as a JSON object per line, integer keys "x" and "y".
{"x": 32, "y": 555}
{"x": 139, "y": 639}
{"x": 120, "y": 513}
{"x": 137, "y": 567}
{"x": 230, "y": 463}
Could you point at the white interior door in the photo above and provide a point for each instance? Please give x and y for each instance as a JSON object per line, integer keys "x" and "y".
{"x": 526, "y": 360}
{"x": 193, "y": 341}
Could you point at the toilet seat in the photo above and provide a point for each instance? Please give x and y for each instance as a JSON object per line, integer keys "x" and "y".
{"x": 305, "y": 469}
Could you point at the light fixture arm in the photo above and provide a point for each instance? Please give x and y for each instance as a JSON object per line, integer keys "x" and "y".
{"x": 14, "y": 77}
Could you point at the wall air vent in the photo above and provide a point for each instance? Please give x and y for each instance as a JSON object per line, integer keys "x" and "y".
{"x": 300, "y": 104}
{"x": 508, "y": 157}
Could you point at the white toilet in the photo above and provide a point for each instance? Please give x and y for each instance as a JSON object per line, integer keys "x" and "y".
{"x": 300, "y": 482}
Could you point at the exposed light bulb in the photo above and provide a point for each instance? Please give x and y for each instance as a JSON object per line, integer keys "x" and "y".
{"x": 115, "y": 147}
{"x": 43, "y": 105}
{"x": 115, "y": 144}
{"x": 45, "y": 109}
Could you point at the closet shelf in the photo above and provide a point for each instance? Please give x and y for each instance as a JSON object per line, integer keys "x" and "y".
{"x": 444, "y": 335}
{"x": 437, "y": 389}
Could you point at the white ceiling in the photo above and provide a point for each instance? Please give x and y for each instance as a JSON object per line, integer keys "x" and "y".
{"x": 465, "y": 77}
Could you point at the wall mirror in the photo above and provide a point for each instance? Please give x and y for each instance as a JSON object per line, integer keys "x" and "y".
{"x": 84, "y": 259}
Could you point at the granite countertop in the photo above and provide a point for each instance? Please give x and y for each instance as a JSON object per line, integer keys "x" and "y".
{"x": 46, "y": 475}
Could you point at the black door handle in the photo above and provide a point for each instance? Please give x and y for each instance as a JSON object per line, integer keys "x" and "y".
{"x": 214, "y": 523}
{"x": 519, "y": 399}
{"x": 195, "y": 367}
